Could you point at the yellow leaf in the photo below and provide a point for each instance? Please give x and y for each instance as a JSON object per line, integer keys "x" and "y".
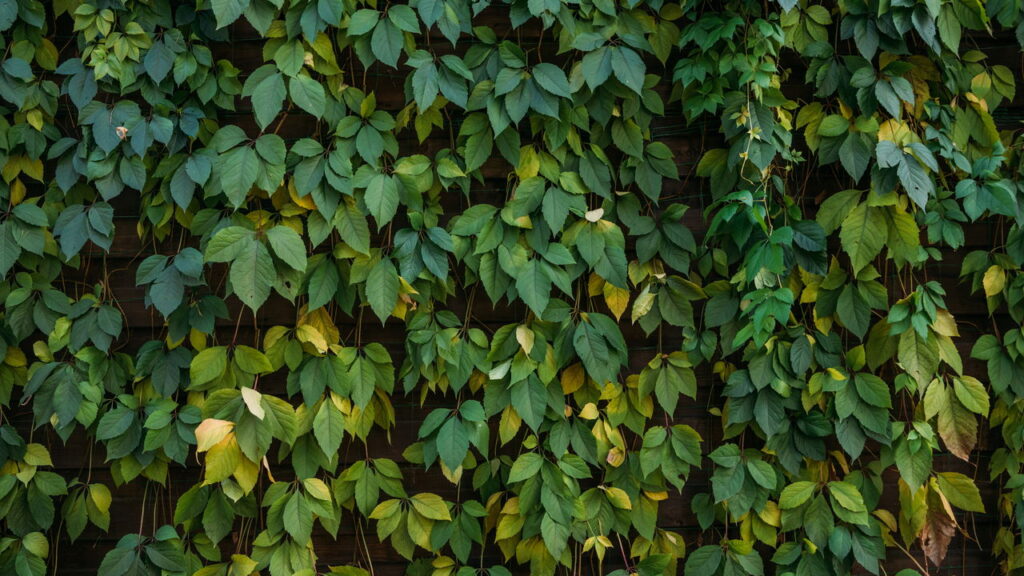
{"x": 616, "y": 298}
{"x": 321, "y": 321}
{"x": 590, "y": 411}
{"x": 302, "y": 201}
{"x": 509, "y": 424}
{"x": 35, "y": 119}
{"x": 246, "y": 473}
{"x": 32, "y": 168}
{"x": 430, "y": 506}
{"x": 619, "y": 498}
{"x": 17, "y": 191}
{"x": 100, "y": 496}
{"x": 210, "y": 432}
{"x": 529, "y": 163}
{"x": 945, "y": 324}
{"x": 37, "y": 455}
{"x": 770, "y": 514}
{"x": 994, "y": 280}
{"x": 615, "y": 457}
{"x": 310, "y": 335}
{"x": 15, "y": 357}
{"x": 317, "y": 489}
{"x": 896, "y": 131}
{"x": 572, "y": 378}
{"x": 836, "y": 374}
{"x": 595, "y": 285}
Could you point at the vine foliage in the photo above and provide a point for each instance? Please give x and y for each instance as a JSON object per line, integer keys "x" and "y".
{"x": 461, "y": 278}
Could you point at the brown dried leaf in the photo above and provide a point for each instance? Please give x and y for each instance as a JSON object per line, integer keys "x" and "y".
{"x": 938, "y": 530}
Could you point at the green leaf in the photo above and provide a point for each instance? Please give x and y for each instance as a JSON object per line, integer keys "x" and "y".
{"x": 329, "y": 427}
{"x": 833, "y": 125}
{"x": 534, "y": 287}
{"x": 914, "y": 467}
{"x": 593, "y": 350}
{"x": 452, "y": 443}
{"x": 628, "y": 68}
{"x": 526, "y": 466}
{"x": 323, "y": 284}
{"x": 382, "y": 288}
{"x": 863, "y": 235}
{"x": 298, "y": 518}
{"x": 352, "y": 226}
{"x": 289, "y": 57}
{"x": 158, "y": 61}
{"x": 386, "y": 42}
{"x": 288, "y": 246}
{"x": 382, "y": 198}
{"x": 208, "y": 365}
{"x": 308, "y": 94}
{"x": 530, "y": 399}
{"x": 855, "y": 155}
{"x": 873, "y": 390}
{"x": 252, "y": 274}
{"x": 239, "y": 169}
{"x": 552, "y": 78}
{"x": 919, "y": 357}
{"x": 362, "y": 21}
{"x": 268, "y": 99}
{"x": 972, "y": 394}
{"x": 796, "y": 494}
{"x": 227, "y": 11}
{"x": 961, "y": 491}
{"x": 704, "y": 561}
{"x": 762, "y": 473}
{"x": 555, "y": 535}
{"x": 252, "y": 360}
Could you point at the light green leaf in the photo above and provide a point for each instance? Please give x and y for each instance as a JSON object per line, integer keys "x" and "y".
{"x": 796, "y": 494}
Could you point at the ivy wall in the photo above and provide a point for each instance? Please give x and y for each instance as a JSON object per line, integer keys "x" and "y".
{"x": 453, "y": 288}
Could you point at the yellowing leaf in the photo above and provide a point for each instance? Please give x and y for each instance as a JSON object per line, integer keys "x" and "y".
{"x": 246, "y": 473}
{"x": 210, "y": 432}
{"x": 100, "y": 496}
{"x": 430, "y": 506}
{"x": 254, "y": 402}
{"x": 945, "y": 324}
{"x": 525, "y": 338}
{"x": 994, "y": 280}
{"x": 37, "y": 455}
{"x": 222, "y": 459}
{"x": 616, "y": 298}
{"x": 619, "y": 498}
{"x": 309, "y": 335}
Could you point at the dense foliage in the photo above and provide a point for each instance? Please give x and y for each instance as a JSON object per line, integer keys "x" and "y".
{"x": 848, "y": 146}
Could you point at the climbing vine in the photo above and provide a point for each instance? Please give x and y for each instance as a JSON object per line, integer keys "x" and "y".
{"x": 242, "y": 240}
